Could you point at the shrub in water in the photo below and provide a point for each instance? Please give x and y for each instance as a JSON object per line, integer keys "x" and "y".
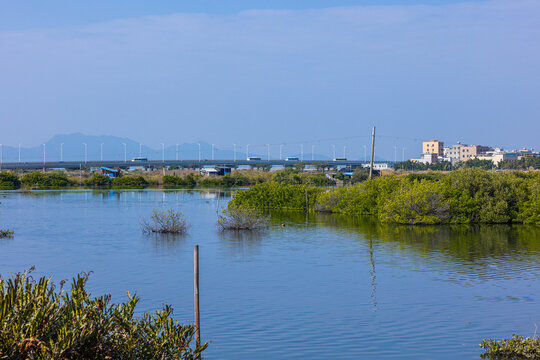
{"x": 165, "y": 221}
{"x": 36, "y": 322}
{"x": 517, "y": 347}
{"x": 6, "y": 233}
{"x": 241, "y": 218}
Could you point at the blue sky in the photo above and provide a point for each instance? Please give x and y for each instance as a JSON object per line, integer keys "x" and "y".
{"x": 270, "y": 72}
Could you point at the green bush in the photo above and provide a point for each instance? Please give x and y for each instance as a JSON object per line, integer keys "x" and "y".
{"x": 420, "y": 202}
{"x": 514, "y": 348}
{"x": 173, "y": 181}
{"x": 129, "y": 182}
{"x": 9, "y": 181}
{"x": 38, "y": 180}
{"x": 99, "y": 181}
{"x": 241, "y": 218}
{"x": 36, "y": 322}
{"x": 271, "y": 195}
{"x": 461, "y": 196}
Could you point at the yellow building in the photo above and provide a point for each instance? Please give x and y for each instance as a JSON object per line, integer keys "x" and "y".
{"x": 473, "y": 151}
{"x": 433, "y": 147}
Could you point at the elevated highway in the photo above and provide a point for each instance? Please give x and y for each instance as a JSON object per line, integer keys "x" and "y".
{"x": 156, "y": 164}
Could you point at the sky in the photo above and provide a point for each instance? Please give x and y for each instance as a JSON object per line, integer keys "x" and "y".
{"x": 279, "y": 72}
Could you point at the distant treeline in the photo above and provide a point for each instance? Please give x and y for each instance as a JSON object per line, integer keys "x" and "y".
{"x": 59, "y": 180}
{"x": 525, "y": 163}
{"x": 459, "y": 197}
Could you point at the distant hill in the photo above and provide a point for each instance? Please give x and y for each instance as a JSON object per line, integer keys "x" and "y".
{"x": 73, "y": 149}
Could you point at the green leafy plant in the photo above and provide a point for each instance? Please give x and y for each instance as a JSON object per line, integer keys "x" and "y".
{"x": 165, "y": 221}
{"x": 99, "y": 181}
{"x": 9, "y": 181}
{"x": 515, "y": 348}
{"x": 38, "y": 322}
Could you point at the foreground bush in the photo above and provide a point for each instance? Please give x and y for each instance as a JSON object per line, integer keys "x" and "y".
{"x": 37, "y": 322}
{"x": 165, "y": 221}
{"x": 239, "y": 218}
{"x": 515, "y": 348}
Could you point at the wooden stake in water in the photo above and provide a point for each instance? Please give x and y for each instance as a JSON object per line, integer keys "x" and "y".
{"x": 196, "y": 288}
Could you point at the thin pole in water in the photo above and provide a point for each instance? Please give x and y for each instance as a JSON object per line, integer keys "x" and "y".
{"x": 196, "y": 288}
{"x": 372, "y": 153}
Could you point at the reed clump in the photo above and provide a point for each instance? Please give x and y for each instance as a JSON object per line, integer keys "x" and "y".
{"x": 165, "y": 221}
{"x": 240, "y": 218}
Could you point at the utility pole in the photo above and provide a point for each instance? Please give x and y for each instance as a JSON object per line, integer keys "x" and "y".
{"x": 162, "y": 152}
{"x": 365, "y": 154}
{"x": 372, "y": 153}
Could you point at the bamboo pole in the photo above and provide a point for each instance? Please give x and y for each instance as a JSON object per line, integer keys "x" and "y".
{"x": 196, "y": 288}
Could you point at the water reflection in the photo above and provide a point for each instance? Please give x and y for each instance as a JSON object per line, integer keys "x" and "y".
{"x": 373, "y": 294}
{"x": 166, "y": 243}
{"x": 461, "y": 242}
{"x": 242, "y": 242}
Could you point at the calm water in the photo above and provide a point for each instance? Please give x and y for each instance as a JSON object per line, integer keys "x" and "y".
{"x": 322, "y": 287}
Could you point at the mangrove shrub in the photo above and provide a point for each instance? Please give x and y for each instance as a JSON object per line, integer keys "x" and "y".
{"x": 40, "y": 180}
{"x": 38, "y": 322}
{"x": 9, "y": 181}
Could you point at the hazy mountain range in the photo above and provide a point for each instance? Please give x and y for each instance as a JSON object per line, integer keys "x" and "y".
{"x": 70, "y": 147}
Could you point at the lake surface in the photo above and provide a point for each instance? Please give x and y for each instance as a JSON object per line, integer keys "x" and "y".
{"x": 321, "y": 287}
